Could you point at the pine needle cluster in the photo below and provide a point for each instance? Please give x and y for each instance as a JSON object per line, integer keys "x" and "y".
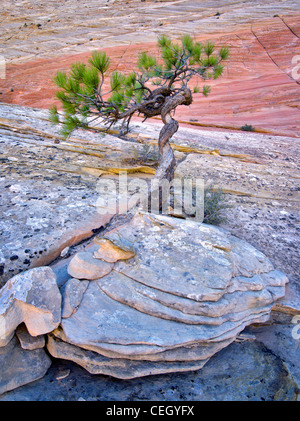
{"x": 84, "y": 99}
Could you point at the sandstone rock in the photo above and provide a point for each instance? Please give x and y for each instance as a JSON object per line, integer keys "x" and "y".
{"x": 27, "y": 341}
{"x": 257, "y": 68}
{"x": 84, "y": 266}
{"x": 261, "y": 191}
{"x": 72, "y": 296}
{"x": 210, "y": 266}
{"x": 121, "y": 368}
{"x": 193, "y": 352}
{"x": 281, "y": 336}
{"x": 244, "y": 371}
{"x": 48, "y": 198}
{"x": 31, "y": 297}
{"x": 124, "y": 325}
{"x": 231, "y": 307}
{"x": 109, "y": 252}
{"x": 19, "y": 366}
{"x": 257, "y": 86}
{"x": 187, "y": 293}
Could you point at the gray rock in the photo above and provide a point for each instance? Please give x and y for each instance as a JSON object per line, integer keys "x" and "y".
{"x": 210, "y": 253}
{"x": 169, "y": 303}
{"x": 31, "y": 297}
{"x": 101, "y": 319}
{"x": 193, "y": 352}
{"x": 110, "y": 252}
{"x": 245, "y": 371}
{"x": 96, "y": 363}
{"x": 281, "y": 336}
{"x": 19, "y": 366}
{"x": 72, "y": 295}
{"x": 27, "y": 341}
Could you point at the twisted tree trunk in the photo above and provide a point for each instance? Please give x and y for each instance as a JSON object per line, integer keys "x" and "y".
{"x": 167, "y": 163}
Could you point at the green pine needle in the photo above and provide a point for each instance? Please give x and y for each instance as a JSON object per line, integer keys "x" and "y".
{"x": 60, "y": 79}
{"x": 100, "y": 61}
{"x": 53, "y": 115}
{"x": 83, "y": 93}
{"x": 206, "y": 90}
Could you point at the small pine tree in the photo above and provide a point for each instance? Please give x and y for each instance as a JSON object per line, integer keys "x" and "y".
{"x": 157, "y": 88}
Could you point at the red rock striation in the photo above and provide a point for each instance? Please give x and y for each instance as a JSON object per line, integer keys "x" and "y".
{"x": 258, "y": 88}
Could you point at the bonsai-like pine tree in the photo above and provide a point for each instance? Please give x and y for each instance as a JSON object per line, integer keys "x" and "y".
{"x": 157, "y": 88}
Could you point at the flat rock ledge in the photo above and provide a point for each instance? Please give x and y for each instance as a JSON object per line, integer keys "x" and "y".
{"x": 155, "y": 295}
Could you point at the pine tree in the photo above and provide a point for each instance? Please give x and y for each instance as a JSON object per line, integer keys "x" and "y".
{"x": 156, "y": 89}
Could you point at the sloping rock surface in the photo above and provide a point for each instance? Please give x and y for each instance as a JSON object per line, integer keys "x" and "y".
{"x": 48, "y": 187}
{"x": 260, "y": 86}
{"x": 31, "y": 297}
{"x": 175, "y": 306}
{"x": 19, "y": 366}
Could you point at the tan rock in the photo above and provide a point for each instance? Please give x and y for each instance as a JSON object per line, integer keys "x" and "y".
{"x": 110, "y": 252}
{"x": 84, "y": 266}
{"x": 100, "y": 319}
{"x": 31, "y": 297}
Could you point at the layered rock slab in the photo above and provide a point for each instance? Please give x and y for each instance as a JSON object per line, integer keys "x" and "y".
{"x": 84, "y": 266}
{"x": 49, "y": 187}
{"x": 19, "y": 366}
{"x": 31, "y": 297}
{"x": 231, "y": 307}
{"x": 188, "y": 292}
{"x": 96, "y": 363}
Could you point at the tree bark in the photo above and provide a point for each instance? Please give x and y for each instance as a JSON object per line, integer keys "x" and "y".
{"x": 167, "y": 162}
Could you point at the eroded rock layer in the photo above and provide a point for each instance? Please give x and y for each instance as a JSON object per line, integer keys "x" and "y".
{"x": 186, "y": 293}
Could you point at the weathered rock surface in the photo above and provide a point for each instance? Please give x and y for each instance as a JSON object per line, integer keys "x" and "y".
{"x": 176, "y": 306}
{"x": 27, "y": 341}
{"x": 31, "y": 297}
{"x": 243, "y": 371}
{"x": 279, "y": 336}
{"x": 19, "y": 366}
{"x": 121, "y": 368}
{"x": 264, "y": 211}
{"x": 259, "y": 88}
{"x": 260, "y": 178}
{"x": 48, "y": 187}
{"x": 72, "y": 296}
{"x": 84, "y": 266}
{"x": 109, "y": 252}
